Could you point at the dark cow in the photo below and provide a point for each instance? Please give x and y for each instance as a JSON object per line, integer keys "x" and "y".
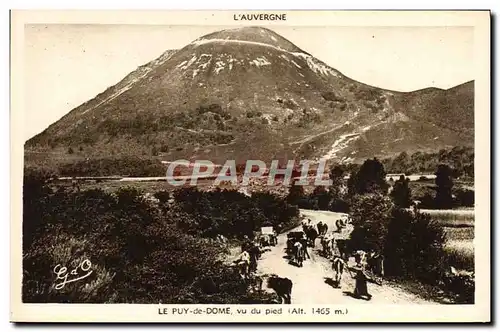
{"x": 311, "y": 234}
{"x": 325, "y": 229}
{"x": 341, "y": 246}
{"x": 375, "y": 262}
{"x": 254, "y": 252}
{"x": 282, "y": 287}
{"x": 319, "y": 227}
{"x": 340, "y": 224}
{"x": 322, "y": 228}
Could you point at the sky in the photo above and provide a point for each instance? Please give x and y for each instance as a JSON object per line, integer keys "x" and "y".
{"x": 66, "y": 65}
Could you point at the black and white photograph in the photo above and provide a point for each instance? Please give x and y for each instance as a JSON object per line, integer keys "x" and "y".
{"x": 296, "y": 169}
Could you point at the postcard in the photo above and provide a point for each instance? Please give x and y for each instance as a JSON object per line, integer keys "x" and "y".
{"x": 250, "y": 166}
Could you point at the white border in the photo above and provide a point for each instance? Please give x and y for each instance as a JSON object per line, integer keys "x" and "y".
{"x": 486, "y": 142}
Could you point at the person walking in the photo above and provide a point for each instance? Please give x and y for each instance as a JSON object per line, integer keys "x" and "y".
{"x": 361, "y": 279}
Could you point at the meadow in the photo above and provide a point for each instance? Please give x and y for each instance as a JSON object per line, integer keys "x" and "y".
{"x": 453, "y": 218}
{"x": 459, "y": 228}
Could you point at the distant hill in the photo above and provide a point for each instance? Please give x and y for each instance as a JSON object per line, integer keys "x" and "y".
{"x": 248, "y": 93}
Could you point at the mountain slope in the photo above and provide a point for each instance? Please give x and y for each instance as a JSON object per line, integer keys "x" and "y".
{"x": 248, "y": 93}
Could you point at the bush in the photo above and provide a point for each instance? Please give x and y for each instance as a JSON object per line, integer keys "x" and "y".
{"x": 331, "y": 96}
{"x": 463, "y": 197}
{"x": 462, "y": 285}
{"x": 56, "y": 252}
{"x": 414, "y": 246}
{"x": 209, "y": 212}
{"x": 139, "y": 253}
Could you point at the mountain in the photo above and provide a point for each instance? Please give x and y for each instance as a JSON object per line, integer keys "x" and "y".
{"x": 249, "y": 93}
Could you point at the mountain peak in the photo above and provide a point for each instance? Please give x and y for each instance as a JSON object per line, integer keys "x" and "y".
{"x": 249, "y": 35}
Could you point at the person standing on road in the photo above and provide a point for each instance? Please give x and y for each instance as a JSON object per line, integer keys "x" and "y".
{"x": 361, "y": 287}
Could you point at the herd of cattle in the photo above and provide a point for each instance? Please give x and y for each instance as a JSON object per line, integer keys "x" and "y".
{"x": 333, "y": 246}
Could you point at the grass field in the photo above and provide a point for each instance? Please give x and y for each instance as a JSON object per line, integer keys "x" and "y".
{"x": 460, "y": 254}
{"x": 459, "y": 228}
{"x": 453, "y": 218}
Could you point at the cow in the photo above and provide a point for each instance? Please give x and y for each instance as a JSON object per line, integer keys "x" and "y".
{"x": 338, "y": 265}
{"x": 265, "y": 240}
{"x": 274, "y": 238}
{"x": 243, "y": 264}
{"x": 305, "y": 245}
{"x": 325, "y": 229}
{"x": 299, "y": 253}
{"x": 255, "y": 253}
{"x": 282, "y": 287}
{"x": 375, "y": 262}
{"x": 340, "y": 245}
{"x": 311, "y": 234}
{"x": 360, "y": 256}
{"x": 322, "y": 228}
{"x": 327, "y": 242}
{"x": 319, "y": 227}
{"x": 340, "y": 224}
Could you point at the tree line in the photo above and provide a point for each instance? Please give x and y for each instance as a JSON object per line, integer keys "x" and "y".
{"x": 370, "y": 177}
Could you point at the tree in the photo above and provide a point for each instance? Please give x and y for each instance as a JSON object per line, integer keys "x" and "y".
{"x": 401, "y": 193}
{"x": 337, "y": 175}
{"x": 401, "y": 163}
{"x": 369, "y": 179}
{"x": 444, "y": 183}
{"x": 295, "y": 194}
{"x": 370, "y": 217}
{"x": 320, "y": 198}
{"x": 337, "y": 189}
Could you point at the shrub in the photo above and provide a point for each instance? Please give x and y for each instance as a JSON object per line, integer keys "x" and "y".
{"x": 208, "y": 213}
{"x": 462, "y": 285}
{"x": 464, "y": 197}
{"x": 54, "y": 253}
{"x": 133, "y": 245}
{"x": 290, "y": 104}
{"x": 414, "y": 246}
{"x": 331, "y": 96}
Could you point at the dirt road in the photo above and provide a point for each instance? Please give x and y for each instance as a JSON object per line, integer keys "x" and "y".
{"x": 311, "y": 283}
